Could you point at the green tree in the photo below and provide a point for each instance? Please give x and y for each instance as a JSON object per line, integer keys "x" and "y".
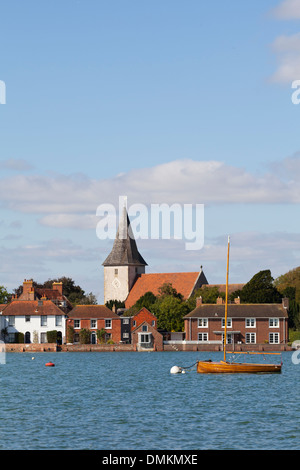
{"x": 260, "y": 289}
{"x": 4, "y": 295}
{"x": 170, "y": 311}
{"x": 209, "y": 296}
{"x": 167, "y": 289}
{"x": 146, "y": 300}
{"x": 289, "y": 279}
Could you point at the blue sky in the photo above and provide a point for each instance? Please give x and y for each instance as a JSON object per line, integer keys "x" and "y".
{"x": 163, "y": 101}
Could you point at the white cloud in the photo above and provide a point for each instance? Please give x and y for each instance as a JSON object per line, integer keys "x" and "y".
{"x": 287, "y": 10}
{"x": 71, "y": 201}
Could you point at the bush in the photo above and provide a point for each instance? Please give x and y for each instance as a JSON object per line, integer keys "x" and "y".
{"x": 70, "y": 334}
{"x": 52, "y": 336}
{"x": 101, "y": 335}
{"x": 84, "y": 336}
{"x": 19, "y": 337}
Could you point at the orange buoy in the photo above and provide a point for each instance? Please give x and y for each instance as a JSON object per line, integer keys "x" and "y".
{"x": 49, "y": 364}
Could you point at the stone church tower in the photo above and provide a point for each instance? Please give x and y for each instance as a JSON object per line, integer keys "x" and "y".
{"x": 123, "y": 264}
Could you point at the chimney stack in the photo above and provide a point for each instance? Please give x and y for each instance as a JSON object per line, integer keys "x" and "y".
{"x": 285, "y": 303}
{"x": 58, "y": 286}
{"x": 28, "y": 290}
{"x": 198, "y": 301}
{"x": 219, "y": 301}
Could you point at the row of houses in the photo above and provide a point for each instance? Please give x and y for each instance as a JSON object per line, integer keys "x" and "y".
{"x": 36, "y": 312}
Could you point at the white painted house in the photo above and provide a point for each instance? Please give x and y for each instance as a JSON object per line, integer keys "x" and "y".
{"x": 33, "y": 318}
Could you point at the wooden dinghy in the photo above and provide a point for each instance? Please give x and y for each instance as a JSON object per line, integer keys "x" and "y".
{"x": 222, "y": 367}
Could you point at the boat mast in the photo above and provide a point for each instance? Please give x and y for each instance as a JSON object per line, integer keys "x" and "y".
{"x": 226, "y": 300}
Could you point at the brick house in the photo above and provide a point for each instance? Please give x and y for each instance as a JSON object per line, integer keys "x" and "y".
{"x": 93, "y": 318}
{"x": 246, "y": 323}
{"x": 41, "y": 293}
{"x": 144, "y": 334}
{"x": 33, "y": 318}
{"x": 146, "y": 337}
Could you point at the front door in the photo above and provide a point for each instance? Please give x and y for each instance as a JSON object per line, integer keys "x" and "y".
{"x": 27, "y": 337}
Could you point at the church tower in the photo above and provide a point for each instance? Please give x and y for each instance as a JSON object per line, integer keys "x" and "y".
{"x": 123, "y": 264}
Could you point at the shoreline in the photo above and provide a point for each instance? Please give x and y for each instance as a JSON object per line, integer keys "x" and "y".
{"x": 180, "y": 347}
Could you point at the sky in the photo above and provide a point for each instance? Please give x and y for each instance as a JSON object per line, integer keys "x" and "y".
{"x": 164, "y": 102}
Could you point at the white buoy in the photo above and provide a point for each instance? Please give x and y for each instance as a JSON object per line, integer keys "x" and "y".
{"x": 175, "y": 370}
{"x": 33, "y": 358}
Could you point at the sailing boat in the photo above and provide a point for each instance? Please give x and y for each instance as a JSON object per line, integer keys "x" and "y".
{"x": 208, "y": 366}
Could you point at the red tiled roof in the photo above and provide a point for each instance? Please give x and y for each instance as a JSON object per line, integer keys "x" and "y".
{"x": 239, "y": 311}
{"x": 92, "y": 311}
{"x": 31, "y": 307}
{"x": 231, "y": 287}
{"x": 182, "y": 282}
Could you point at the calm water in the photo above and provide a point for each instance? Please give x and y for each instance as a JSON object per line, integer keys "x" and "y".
{"x": 118, "y": 401}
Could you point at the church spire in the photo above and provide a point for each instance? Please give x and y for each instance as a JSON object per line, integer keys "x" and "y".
{"x": 124, "y": 251}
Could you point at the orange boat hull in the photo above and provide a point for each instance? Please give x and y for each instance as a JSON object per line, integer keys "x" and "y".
{"x": 209, "y": 367}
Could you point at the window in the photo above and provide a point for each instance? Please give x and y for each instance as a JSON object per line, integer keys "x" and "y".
{"x": 108, "y": 323}
{"x": 125, "y": 321}
{"x": 202, "y": 337}
{"x": 153, "y": 323}
{"x": 134, "y": 322}
{"x": 126, "y": 335}
{"x": 274, "y": 338}
{"x": 229, "y": 322}
{"x": 202, "y": 322}
{"x": 11, "y": 337}
{"x": 250, "y": 338}
{"x": 273, "y": 322}
{"x": 27, "y": 318}
{"x": 44, "y": 321}
{"x": 43, "y": 337}
{"x": 250, "y": 322}
{"x": 144, "y": 328}
{"x": 116, "y": 272}
{"x": 11, "y": 320}
{"x": 93, "y": 323}
{"x": 146, "y": 338}
{"x": 76, "y": 323}
{"x": 58, "y": 320}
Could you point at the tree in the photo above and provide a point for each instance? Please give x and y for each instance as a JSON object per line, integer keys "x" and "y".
{"x": 170, "y": 311}
{"x": 168, "y": 289}
{"x": 209, "y": 296}
{"x": 4, "y": 295}
{"x": 260, "y": 289}
{"x": 146, "y": 300}
{"x": 289, "y": 279}
{"x": 170, "y": 308}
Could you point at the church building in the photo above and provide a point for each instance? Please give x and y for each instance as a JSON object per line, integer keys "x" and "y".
{"x": 125, "y": 278}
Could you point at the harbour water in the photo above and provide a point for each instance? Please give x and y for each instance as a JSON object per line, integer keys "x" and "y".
{"x": 117, "y": 401}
